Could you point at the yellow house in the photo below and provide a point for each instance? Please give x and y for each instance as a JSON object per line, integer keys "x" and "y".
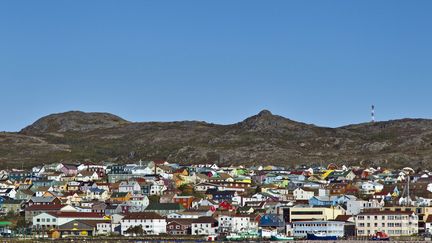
{"x": 243, "y": 179}
{"x": 121, "y": 196}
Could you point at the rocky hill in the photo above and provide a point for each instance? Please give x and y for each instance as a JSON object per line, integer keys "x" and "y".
{"x": 261, "y": 139}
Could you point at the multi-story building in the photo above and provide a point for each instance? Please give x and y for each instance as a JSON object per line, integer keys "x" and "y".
{"x": 305, "y": 212}
{"x": 333, "y": 228}
{"x": 394, "y": 223}
{"x": 204, "y": 226}
{"x": 354, "y": 207}
{"x": 152, "y": 223}
{"x": 301, "y": 194}
{"x": 234, "y": 223}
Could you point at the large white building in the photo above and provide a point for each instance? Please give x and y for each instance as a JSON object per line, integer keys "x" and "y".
{"x": 53, "y": 220}
{"x": 235, "y": 223}
{"x": 394, "y": 223}
{"x": 152, "y": 223}
{"x": 330, "y": 228}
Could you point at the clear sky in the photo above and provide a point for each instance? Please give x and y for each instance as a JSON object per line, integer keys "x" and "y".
{"x": 321, "y": 62}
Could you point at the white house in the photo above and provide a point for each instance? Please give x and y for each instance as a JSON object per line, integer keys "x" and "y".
{"x": 157, "y": 188}
{"x": 138, "y": 203}
{"x": 87, "y": 176}
{"x": 234, "y": 223}
{"x": 370, "y": 187}
{"x": 303, "y": 194}
{"x": 152, "y": 223}
{"x": 354, "y": 207}
{"x": 129, "y": 186}
{"x": 8, "y": 192}
{"x": 103, "y": 228}
{"x": 204, "y": 226}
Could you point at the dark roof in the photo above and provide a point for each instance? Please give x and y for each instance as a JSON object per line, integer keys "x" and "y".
{"x": 76, "y": 214}
{"x": 164, "y": 206}
{"x": 215, "y": 191}
{"x": 53, "y": 207}
{"x": 81, "y": 224}
{"x": 143, "y": 215}
{"x": 205, "y": 220}
{"x": 343, "y": 217}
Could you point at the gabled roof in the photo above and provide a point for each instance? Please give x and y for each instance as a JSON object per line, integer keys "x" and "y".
{"x": 42, "y": 199}
{"x": 180, "y": 221}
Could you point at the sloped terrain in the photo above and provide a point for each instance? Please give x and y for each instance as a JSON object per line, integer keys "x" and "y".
{"x": 261, "y": 139}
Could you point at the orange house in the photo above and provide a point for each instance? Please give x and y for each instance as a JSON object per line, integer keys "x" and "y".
{"x": 185, "y": 201}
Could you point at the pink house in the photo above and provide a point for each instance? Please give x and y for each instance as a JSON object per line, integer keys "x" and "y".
{"x": 69, "y": 170}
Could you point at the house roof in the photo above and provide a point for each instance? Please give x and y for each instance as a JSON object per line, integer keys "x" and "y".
{"x": 53, "y": 207}
{"x": 143, "y": 215}
{"x": 343, "y": 217}
{"x": 180, "y": 221}
{"x": 164, "y": 206}
{"x": 204, "y": 220}
{"x": 81, "y": 224}
{"x": 60, "y": 214}
{"x": 42, "y": 199}
{"x": 70, "y": 167}
{"x": 386, "y": 212}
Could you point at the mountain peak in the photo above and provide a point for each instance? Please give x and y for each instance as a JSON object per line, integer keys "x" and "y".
{"x": 264, "y": 113}
{"x": 266, "y": 121}
{"x": 77, "y": 121}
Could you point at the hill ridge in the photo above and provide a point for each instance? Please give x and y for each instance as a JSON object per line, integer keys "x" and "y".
{"x": 263, "y": 138}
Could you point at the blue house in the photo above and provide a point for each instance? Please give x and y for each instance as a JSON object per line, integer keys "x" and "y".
{"x": 323, "y": 201}
{"x": 18, "y": 175}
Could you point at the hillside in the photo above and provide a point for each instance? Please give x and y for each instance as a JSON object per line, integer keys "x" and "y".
{"x": 261, "y": 139}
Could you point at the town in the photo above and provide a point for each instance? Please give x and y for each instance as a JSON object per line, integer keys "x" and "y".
{"x": 215, "y": 202}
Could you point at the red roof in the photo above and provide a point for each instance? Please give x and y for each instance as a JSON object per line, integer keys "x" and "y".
{"x": 386, "y": 212}
{"x": 53, "y": 207}
{"x": 77, "y": 215}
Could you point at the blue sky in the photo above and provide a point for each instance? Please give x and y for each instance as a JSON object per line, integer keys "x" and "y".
{"x": 321, "y": 62}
